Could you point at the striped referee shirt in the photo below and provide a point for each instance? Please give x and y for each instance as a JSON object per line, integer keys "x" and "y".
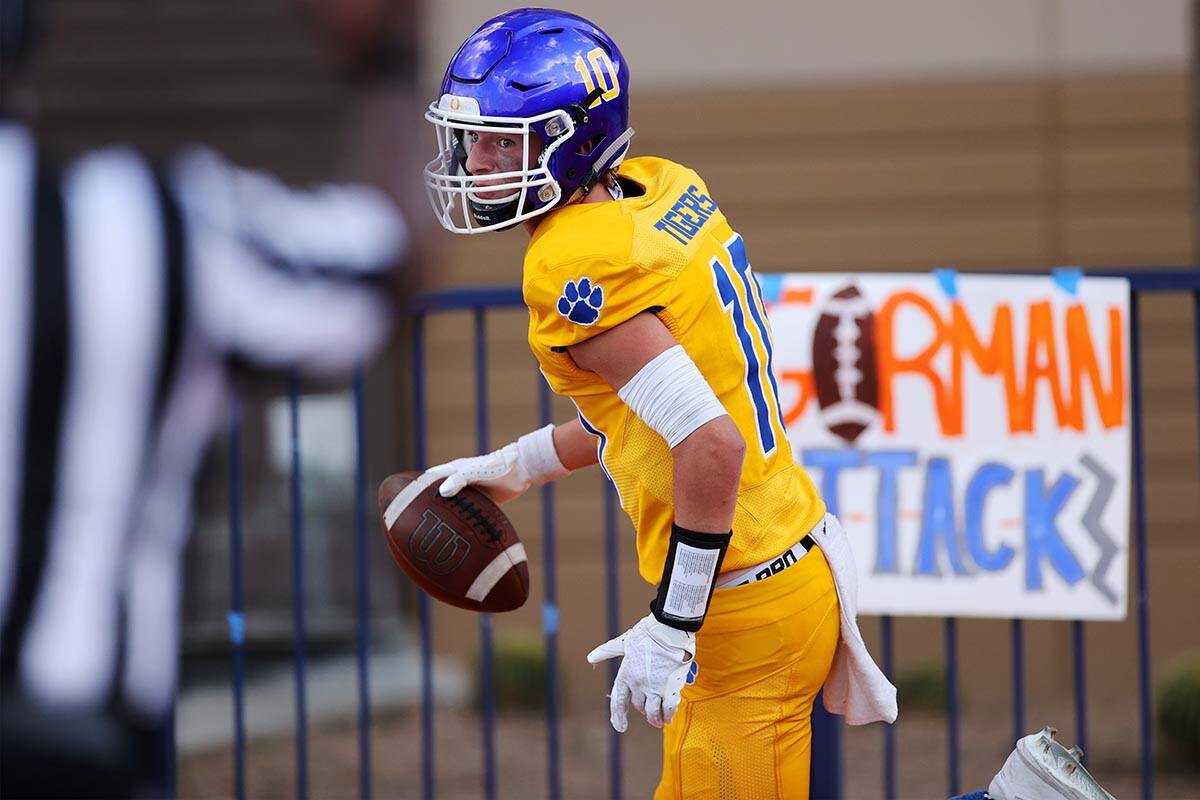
{"x": 124, "y": 292}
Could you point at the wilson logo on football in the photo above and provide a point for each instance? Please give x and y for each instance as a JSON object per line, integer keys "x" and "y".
{"x": 436, "y": 546}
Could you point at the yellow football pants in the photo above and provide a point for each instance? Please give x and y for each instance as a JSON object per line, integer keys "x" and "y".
{"x": 743, "y": 728}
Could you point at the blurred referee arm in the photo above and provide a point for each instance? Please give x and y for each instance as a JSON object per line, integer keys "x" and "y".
{"x": 128, "y": 292}
{"x": 284, "y": 278}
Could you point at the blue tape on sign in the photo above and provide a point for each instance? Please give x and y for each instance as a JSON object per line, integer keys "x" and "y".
{"x": 1067, "y": 278}
{"x": 237, "y": 628}
{"x": 947, "y": 278}
{"x": 550, "y": 618}
{"x": 772, "y": 286}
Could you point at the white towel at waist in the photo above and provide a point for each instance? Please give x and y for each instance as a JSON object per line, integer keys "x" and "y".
{"x": 856, "y": 688}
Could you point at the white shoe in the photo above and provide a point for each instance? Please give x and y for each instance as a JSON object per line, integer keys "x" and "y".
{"x": 1040, "y": 768}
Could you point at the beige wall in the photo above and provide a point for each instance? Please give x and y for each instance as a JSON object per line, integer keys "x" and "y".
{"x": 681, "y": 43}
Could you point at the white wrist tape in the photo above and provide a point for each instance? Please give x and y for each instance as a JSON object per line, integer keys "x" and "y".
{"x": 671, "y": 396}
{"x": 539, "y": 459}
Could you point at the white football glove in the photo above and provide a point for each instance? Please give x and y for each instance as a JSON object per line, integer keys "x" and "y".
{"x": 507, "y": 473}
{"x": 658, "y": 661}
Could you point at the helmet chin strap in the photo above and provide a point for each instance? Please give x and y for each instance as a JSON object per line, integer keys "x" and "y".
{"x": 499, "y": 201}
{"x": 601, "y": 164}
{"x": 489, "y": 212}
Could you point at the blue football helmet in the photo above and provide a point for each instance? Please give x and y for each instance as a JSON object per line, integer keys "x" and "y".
{"x": 538, "y": 72}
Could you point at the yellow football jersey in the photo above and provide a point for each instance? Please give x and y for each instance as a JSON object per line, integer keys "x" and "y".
{"x": 592, "y": 266}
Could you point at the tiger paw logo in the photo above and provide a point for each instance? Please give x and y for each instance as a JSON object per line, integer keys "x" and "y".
{"x": 581, "y": 302}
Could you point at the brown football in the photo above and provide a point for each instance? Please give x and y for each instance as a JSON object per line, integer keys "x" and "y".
{"x": 844, "y": 366}
{"x": 461, "y": 550}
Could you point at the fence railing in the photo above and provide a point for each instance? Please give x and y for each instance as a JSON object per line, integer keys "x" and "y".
{"x": 827, "y": 780}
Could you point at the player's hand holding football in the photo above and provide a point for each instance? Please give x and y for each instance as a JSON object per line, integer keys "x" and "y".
{"x": 657, "y": 662}
{"x": 507, "y": 473}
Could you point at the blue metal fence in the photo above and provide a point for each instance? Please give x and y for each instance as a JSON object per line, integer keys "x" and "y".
{"x": 299, "y": 636}
{"x": 237, "y": 623}
{"x": 479, "y": 302}
{"x": 362, "y": 600}
{"x": 487, "y": 693}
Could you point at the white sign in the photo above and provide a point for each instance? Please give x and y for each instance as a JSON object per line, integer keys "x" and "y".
{"x": 971, "y": 432}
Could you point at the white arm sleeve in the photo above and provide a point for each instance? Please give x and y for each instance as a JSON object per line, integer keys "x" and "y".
{"x": 671, "y": 396}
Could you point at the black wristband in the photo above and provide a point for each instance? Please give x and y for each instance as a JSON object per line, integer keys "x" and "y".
{"x": 693, "y": 563}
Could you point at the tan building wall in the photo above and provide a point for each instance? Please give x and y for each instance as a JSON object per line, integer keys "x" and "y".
{"x": 712, "y": 44}
{"x": 1014, "y": 173}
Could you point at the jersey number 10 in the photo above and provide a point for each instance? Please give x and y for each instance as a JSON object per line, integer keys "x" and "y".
{"x": 749, "y": 317}
{"x": 605, "y": 73}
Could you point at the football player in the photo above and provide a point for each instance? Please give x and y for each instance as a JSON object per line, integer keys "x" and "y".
{"x": 644, "y": 311}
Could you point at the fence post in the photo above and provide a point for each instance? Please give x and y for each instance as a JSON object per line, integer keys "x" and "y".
{"x": 952, "y": 772}
{"x": 1018, "y": 680}
{"x": 550, "y": 615}
{"x": 1143, "y": 598}
{"x": 363, "y": 591}
{"x": 298, "y": 593}
{"x": 487, "y": 686}
{"x": 423, "y": 610}
{"x": 237, "y": 622}
{"x": 826, "y": 770}
{"x": 1078, "y": 648}
{"x": 889, "y": 731}
{"x": 615, "y": 788}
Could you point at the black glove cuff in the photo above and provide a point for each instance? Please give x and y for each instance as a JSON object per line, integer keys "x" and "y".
{"x": 693, "y": 563}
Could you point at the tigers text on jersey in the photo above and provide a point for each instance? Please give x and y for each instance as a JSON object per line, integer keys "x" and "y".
{"x": 591, "y": 266}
